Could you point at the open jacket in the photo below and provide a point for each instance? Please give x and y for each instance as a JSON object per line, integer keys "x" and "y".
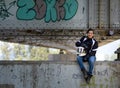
{"x": 90, "y": 45}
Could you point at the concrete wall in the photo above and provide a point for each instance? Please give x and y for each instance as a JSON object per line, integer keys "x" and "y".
{"x": 54, "y": 14}
{"x": 57, "y": 74}
{"x": 59, "y": 14}
{"x": 115, "y": 13}
{"x": 93, "y": 13}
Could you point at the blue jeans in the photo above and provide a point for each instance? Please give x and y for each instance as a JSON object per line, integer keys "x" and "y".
{"x": 91, "y": 61}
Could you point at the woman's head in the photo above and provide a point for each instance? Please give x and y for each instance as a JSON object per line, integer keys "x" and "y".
{"x": 90, "y": 33}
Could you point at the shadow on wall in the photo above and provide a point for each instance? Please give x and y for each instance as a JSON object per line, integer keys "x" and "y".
{"x": 106, "y": 52}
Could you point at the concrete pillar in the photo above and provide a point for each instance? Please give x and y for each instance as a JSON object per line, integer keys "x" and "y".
{"x": 104, "y": 13}
{"x": 115, "y": 14}
{"x": 93, "y": 13}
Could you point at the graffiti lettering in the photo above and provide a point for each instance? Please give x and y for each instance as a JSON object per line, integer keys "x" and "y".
{"x": 71, "y": 7}
{"x": 102, "y": 73}
{"x": 40, "y": 9}
{"x": 60, "y": 9}
{"x": 4, "y": 11}
{"x": 50, "y": 10}
{"x": 115, "y": 73}
{"x": 25, "y": 11}
{"x": 99, "y": 73}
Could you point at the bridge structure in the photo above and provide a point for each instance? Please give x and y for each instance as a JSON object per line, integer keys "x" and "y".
{"x": 58, "y": 24}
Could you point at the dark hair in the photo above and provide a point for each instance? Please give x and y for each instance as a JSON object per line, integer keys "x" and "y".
{"x": 90, "y": 30}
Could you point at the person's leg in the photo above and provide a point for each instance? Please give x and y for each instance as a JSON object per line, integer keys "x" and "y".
{"x": 80, "y": 61}
{"x": 91, "y": 62}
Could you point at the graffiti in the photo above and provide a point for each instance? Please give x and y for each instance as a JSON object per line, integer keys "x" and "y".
{"x": 102, "y": 73}
{"x": 115, "y": 73}
{"x": 51, "y": 72}
{"x": 25, "y": 10}
{"x": 83, "y": 10}
{"x": 99, "y": 73}
{"x": 44, "y": 72}
{"x": 40, "y": 8}
{"x": 4, "y": 11}
{"x": 70, "y": 8}
{"x": 50, "y": 10}
{"x": 77, "y": 76}
{"x": 60, "y": 9}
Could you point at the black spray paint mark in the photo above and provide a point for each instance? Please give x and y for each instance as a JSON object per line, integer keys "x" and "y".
{"x": 4, "y": 11}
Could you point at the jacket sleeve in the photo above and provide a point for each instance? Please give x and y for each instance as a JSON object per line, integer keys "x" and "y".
{"x": 78, "y": 43}
{"x": 94, "y": 49}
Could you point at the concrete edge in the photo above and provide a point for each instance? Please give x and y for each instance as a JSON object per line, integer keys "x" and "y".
{"x": 50, "y": 62}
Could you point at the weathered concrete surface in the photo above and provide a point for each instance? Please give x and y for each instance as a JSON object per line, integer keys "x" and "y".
{"x": 58, "y": 32}
{"x": 61, "y": 39}
{"x": 6, "y": 86}
{"x": 57, "y": 74}
{"x": 82, "y": 14}
{"x": 62, "y": 57}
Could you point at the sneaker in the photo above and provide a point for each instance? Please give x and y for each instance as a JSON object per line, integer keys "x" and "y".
{"x": 88, "y": 78}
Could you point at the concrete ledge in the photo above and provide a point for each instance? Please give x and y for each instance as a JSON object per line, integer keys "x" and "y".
{"x": 6, "y": 86}
{"x": 57, "y": 74}
{"x": 62, "y": 57}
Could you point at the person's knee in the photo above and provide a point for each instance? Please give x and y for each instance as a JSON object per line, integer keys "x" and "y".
{"x": 92, "y": 59}
{"x": 79, "y": 58}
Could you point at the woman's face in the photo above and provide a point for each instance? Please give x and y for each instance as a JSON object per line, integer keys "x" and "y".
{"x": 90, "y": 34}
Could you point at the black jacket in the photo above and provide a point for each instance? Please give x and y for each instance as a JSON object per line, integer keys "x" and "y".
{"x": 90, "y": 45}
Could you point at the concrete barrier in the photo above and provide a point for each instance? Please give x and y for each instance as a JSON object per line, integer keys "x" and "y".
{"x": 57, "y": 74}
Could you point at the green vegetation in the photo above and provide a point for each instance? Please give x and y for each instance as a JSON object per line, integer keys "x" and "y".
{"x": 12, "y": 51}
